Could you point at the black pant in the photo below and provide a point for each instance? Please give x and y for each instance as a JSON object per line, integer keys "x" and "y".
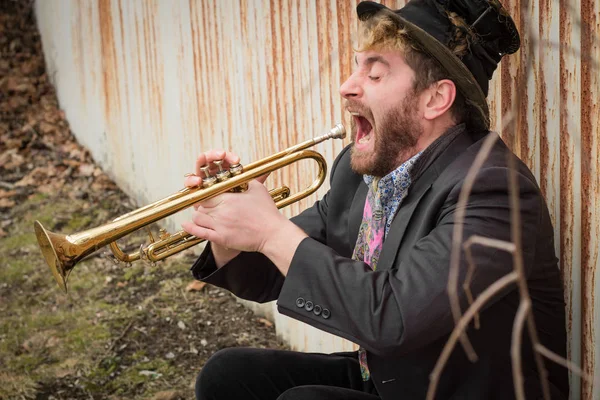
{"x": 263, "y": 374}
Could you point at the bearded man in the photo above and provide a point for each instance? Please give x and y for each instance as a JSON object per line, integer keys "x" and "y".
{"x": 370, "y": 261}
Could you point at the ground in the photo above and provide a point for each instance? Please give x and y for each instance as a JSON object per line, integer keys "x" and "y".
{"x": 139, "y": 332}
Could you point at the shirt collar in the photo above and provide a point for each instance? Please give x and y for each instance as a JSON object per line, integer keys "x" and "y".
{"x": 396, "y": 177}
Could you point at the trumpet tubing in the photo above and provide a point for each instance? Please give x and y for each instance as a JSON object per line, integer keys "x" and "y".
{"x": 63, "y": 252}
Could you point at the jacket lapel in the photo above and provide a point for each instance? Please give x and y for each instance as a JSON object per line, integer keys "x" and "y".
{"x": 401, "y": 221}
{"x": 356, "y": 213}
{"x": 416, "y": 192}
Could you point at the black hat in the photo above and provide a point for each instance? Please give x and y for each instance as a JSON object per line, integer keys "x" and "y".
{"x": 427, "y": 22}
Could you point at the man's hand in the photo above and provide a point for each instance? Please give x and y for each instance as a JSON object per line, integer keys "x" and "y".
{"x": 241, "y": 221}
{"x": 206, "y": 212}
{"x": 247, "y": 221}
{"x": 221, "y": 254}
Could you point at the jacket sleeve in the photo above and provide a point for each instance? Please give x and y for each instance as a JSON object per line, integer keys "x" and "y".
{"x": 396, "y": 310}
{"x": 252, "y": 276}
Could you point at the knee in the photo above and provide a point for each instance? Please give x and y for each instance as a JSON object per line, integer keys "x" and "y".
{"x": 221, "y": 369}
{"x": 212, "y": 375}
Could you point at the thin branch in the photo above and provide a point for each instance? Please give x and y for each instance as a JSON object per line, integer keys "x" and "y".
{"x": 484, "y": 241}
{"x": 461, "y": 325}
{"x": 457, "y": 237}
{"x": 515, "y": 349}
{"x": 550, "y": 355}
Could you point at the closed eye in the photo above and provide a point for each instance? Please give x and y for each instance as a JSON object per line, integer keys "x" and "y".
{"x": 374, "y": 78}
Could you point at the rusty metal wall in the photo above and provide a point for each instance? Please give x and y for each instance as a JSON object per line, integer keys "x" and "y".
{"x": 147, "y": 85}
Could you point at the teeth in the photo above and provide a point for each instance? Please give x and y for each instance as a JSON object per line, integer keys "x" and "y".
{"x": 355, "y": 114}
{"x": 365, "y": 139}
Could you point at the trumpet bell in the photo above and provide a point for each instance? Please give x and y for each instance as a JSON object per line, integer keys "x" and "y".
{"x": 47, "y": 249}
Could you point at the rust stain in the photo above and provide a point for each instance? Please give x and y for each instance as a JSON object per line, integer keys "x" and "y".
{"x": 77, "y": 49}
{"x": 525, "y": 60}
{"x": 198, "y": 44}
{"x": 542, "y": 102}
{"x": 587, "y": 207}
{"x": 566, "y": 171}
{"x": 107, "y": 49}
{"x": 126, "y": 82}
{"x": 158, "y": 76}
{"x": 140, "y": 70}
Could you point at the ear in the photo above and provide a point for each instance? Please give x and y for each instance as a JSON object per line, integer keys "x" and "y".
{"x": 440, "y": 97}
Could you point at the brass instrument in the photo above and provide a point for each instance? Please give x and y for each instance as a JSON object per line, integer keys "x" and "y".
{"x": 63, "y": 252}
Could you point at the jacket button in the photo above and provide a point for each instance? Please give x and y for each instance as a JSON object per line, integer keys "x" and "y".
{"x": 300, "y": 302}
{"x": 317, "y": 310}
{"x": 325, "y": 314}
{"x": 309, "y": 306}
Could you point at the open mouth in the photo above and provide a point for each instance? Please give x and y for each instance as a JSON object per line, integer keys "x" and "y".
{"x": 363, "y": 130}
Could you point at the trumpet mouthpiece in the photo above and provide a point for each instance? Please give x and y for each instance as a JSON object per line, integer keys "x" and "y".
{"x": 338, "y": 132}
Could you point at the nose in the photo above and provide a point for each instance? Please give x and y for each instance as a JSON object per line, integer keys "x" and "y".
{"x": 351, "y": 89}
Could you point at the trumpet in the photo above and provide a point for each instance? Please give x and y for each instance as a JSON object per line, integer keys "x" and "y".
{"x": 63, "y": 252}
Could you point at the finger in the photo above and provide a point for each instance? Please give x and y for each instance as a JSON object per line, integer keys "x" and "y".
{"x": 192, "y": 181}
{"x": 207, "y": 158}
{"x": 231, "y": 158}
{"x": 203, "y": 220}
{"x": 200, "y": 232}
{"x": 208, "y": 205}
{"x": 200, "y": 162}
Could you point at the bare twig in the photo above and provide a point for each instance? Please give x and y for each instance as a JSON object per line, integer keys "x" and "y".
{"x": 550, "y": 355}
{"x": 515, "y": 351}
{"x": 457, "y": 237}
{"x": 462, "y": 324}
{"x": 484, "y": 241}
{"x": 121, "y": 336}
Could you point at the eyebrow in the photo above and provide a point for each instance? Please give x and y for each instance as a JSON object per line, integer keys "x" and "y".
{"x": 372, "y": 60}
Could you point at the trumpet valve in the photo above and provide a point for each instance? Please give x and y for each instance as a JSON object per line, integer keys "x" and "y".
{"x": 236, "y": 169}
{"x": 163, "y": 234}
{"x": 222, "y": 175}
{"x": 208, "y": 179}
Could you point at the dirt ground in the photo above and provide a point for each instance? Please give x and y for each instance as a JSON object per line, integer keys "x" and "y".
{"x": 139, "y": 332}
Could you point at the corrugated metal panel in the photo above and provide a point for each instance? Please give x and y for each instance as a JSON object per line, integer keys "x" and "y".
{"x": 147, "y": 85}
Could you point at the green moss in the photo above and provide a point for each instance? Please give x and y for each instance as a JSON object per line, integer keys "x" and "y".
{"x": 17, "y": 241}
{"x": 79, "y": 221}
{"x": 15, "y": 270}
{"x": 133, "y": 271}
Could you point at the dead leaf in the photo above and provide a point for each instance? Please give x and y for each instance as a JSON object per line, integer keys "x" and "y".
{"x": 265, "y": 322}
{"x": 46, "y": 128}
{"x": 52, "y": 341}
{"x": 121, "y": 284}
{"x": 4, "y": 193}
{"x": 86, "y": 169}
{"x": 195, "y": 286}
{"x": 168, "y": 395}
{"x": 6, "y": 203}
{"x": 38, "y": 341}
{"x": 67, "y": 367}
{"x": 3, "y": 233}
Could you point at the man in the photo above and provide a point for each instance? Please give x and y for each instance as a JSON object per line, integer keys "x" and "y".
{"x": 370, "y": 261}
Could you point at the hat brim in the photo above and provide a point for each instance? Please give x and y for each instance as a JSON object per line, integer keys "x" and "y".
{"x": 457, "y": 71}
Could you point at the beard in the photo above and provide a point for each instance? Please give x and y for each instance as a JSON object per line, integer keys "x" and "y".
{"x": 396, "y": 133}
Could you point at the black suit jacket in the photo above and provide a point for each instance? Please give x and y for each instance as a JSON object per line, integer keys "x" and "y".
{"x": 400, "y": 313}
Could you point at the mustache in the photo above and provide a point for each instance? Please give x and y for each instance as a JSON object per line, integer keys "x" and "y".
{"x": 358, "y": 107}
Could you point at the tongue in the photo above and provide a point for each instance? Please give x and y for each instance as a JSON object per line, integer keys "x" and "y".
{"x": 365, "y": 127}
